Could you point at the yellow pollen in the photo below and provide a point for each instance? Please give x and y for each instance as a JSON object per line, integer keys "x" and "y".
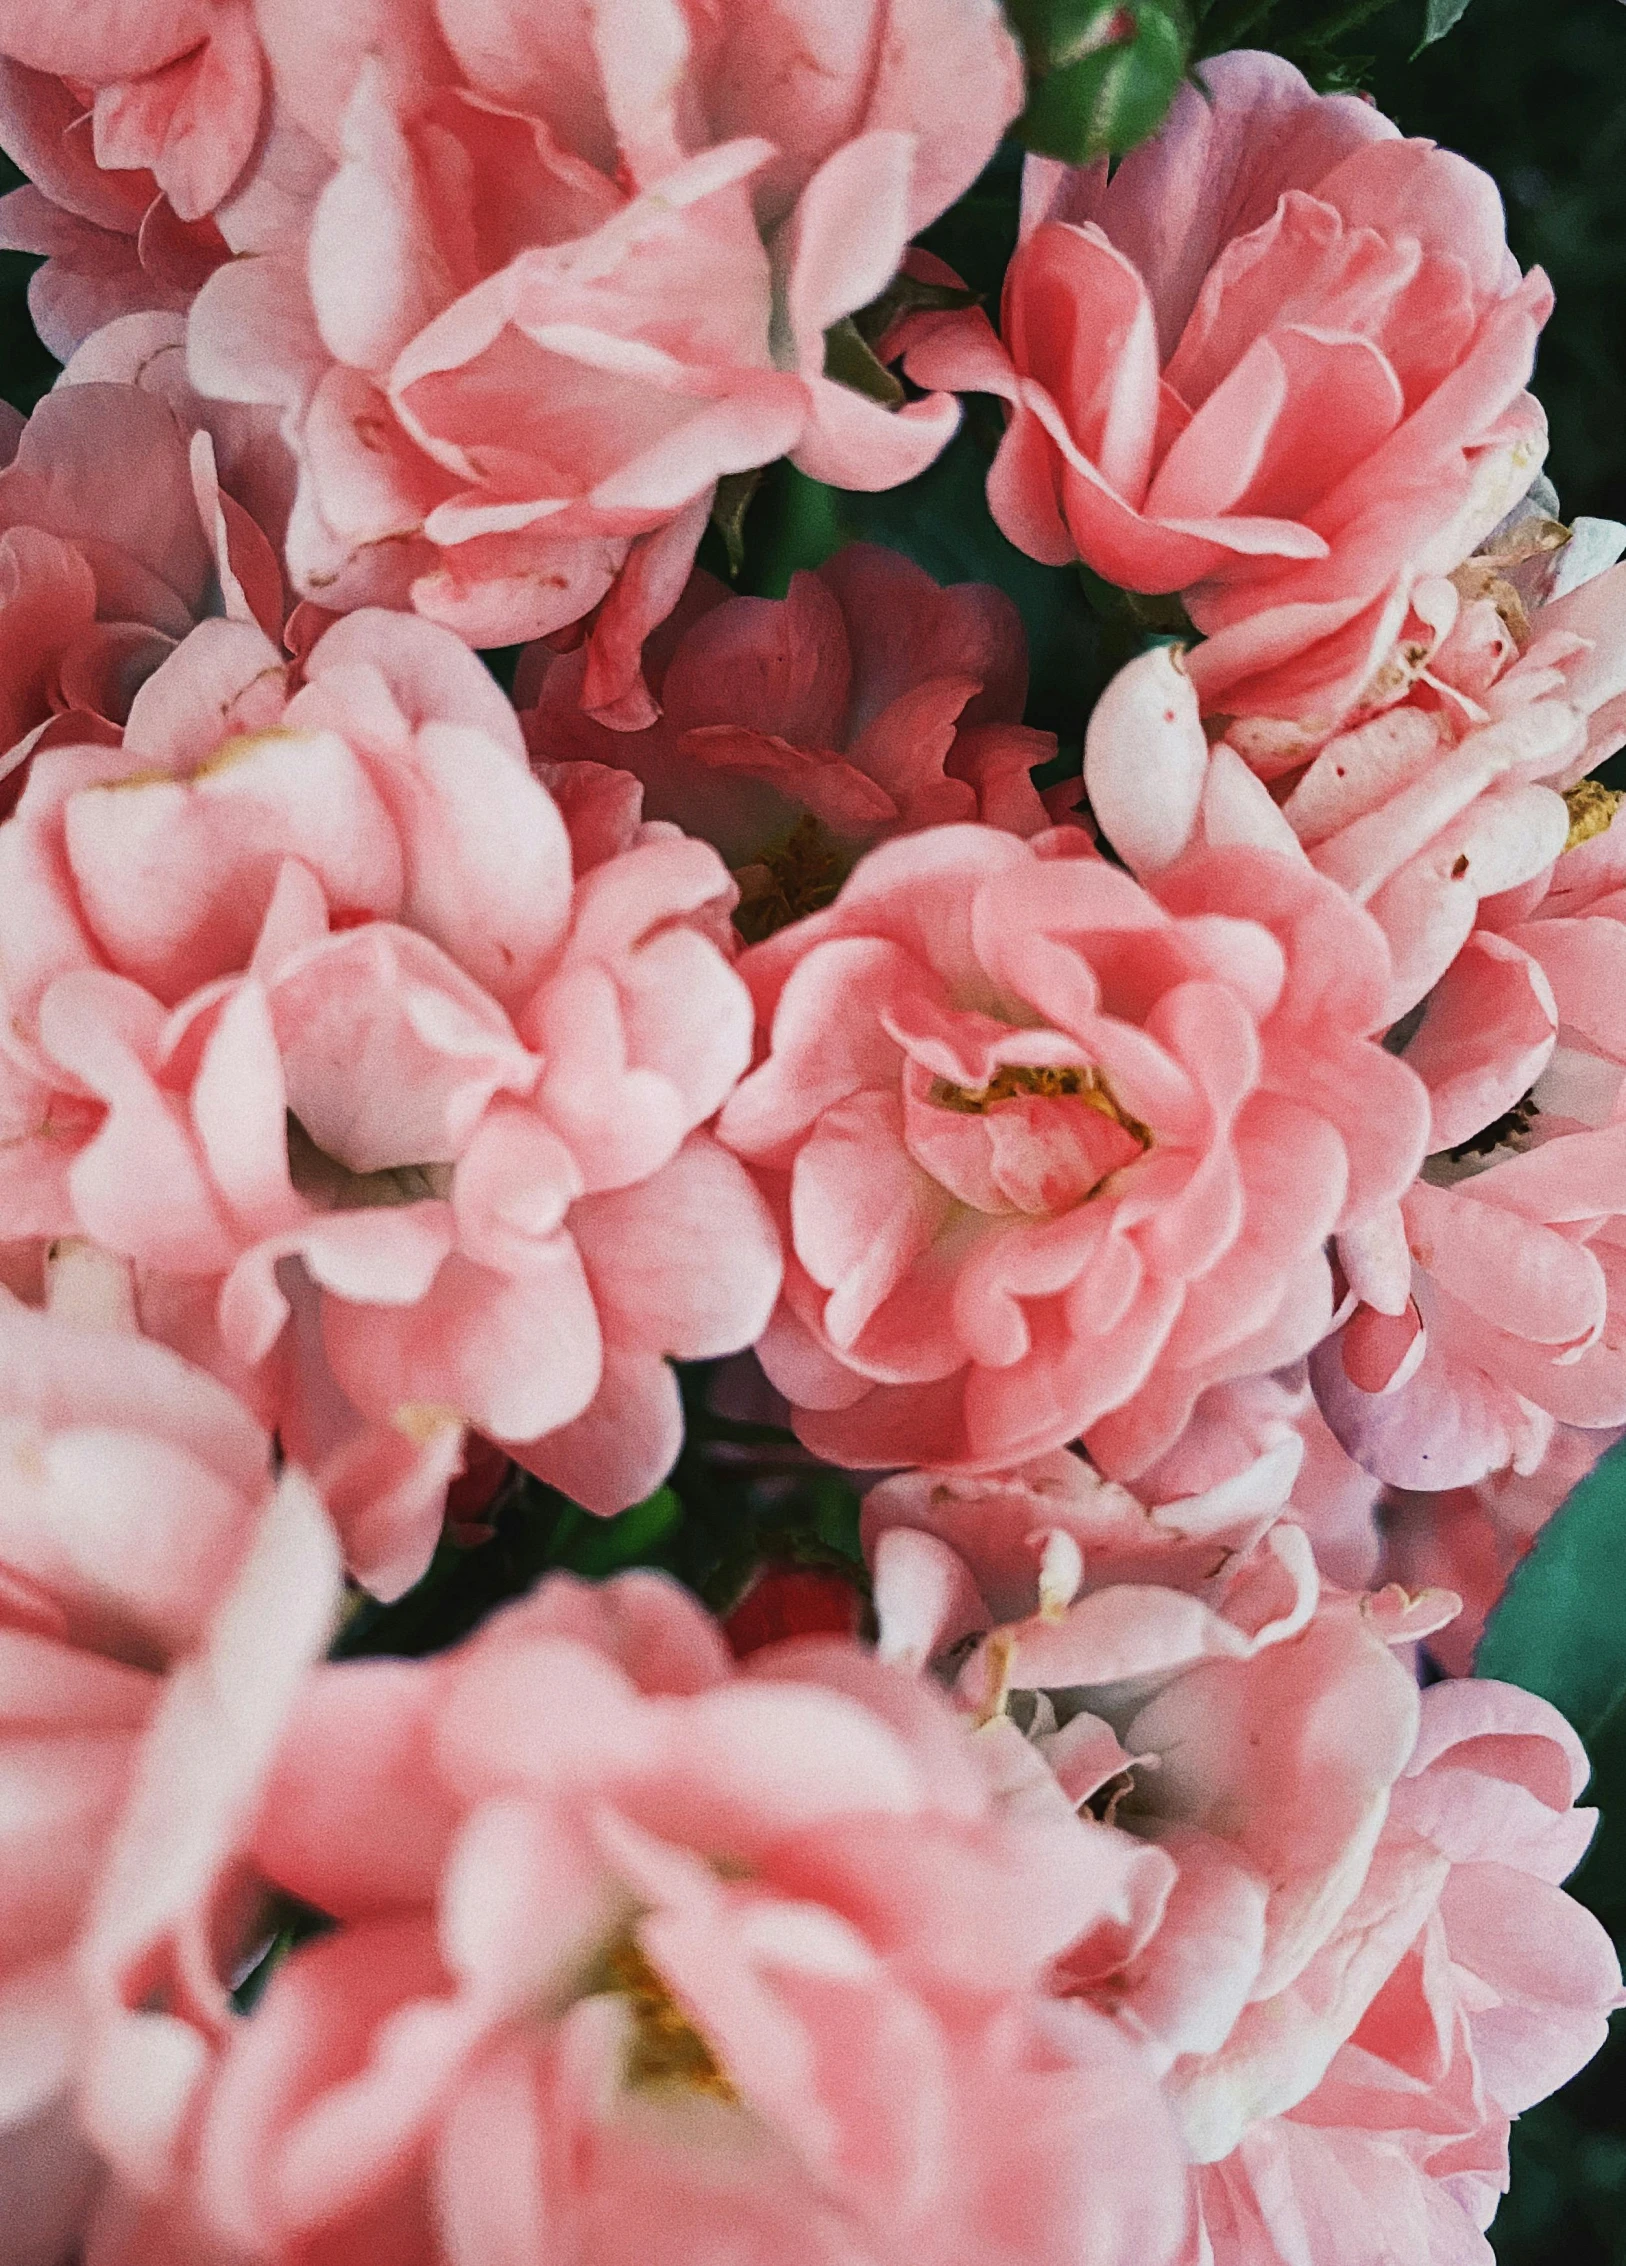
{"x": 1047, "y": 1081}
{"x": 799, "y": 875}
{"x": 1592, "y": 807}
{"x": 664, "y": 2049}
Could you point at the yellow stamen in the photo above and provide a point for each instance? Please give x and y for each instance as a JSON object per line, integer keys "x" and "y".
{"x": 1047, "y": 1081}
{"x": 664, "y": 2048}
{"x": 1592, "y": 807}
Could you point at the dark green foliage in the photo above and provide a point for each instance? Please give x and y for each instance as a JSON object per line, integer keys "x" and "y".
{"x": 26, "y": 369}
{"x": 1101, "y": 73}
{"x": 1561, "y": 1631}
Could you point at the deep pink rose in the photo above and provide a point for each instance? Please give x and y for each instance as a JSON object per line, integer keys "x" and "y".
{"x": 1356, "y": 1961}
{"x": 158, "y": 1604}
{"x": 1275, "y": 363}
{"x": 129, "y": 511}
{"x": 1055, "y": 1153}
{"x": 639, "y": 1953}
{"x": 795, "y": 732}
{"x": 569, "y": 267}
{"x": 399, "y": 1123}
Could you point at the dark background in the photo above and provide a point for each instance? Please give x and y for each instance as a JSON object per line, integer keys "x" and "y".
{"x": 1534, "y": 91}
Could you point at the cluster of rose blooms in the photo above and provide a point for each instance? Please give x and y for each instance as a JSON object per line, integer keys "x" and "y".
{"x": 1193, "y": 1199}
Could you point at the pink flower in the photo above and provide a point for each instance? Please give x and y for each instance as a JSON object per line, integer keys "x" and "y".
{"x": 1502, "y": 1313}
{"x": 156, "y": 1604}
{"x": 129, "y": 510}
{"x": 634, "y": 1947}
{"x": 1275, "y": 363}
{"x": 1353, "y": 1963}
{"x": 1055, "y": 1153}
{"x": 1453, "y": 796}
{"x": 135, "y": 128}
{"x": 174, "y": 88}
{"x": 795, "y": 732}
{"x": 567, "y": 270}
{"x": 1448, "y": 789}
{"x": 399, "y": 1126}
{"x": 1501, "y": 1995}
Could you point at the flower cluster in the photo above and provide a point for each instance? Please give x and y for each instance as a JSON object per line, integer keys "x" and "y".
{"x": 722, "y": 1056}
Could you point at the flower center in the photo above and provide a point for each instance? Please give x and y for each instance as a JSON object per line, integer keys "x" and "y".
{"x": 1047, "y": 1081}
{"x": 797, "y": 875}
{"x": 1592, "y": 807}
{"x": 664, "y": 2048}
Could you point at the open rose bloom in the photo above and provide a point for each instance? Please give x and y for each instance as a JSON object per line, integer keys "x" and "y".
{"x": 1276, "y": 363}
{"x": 241, "y": 938}
{"x": 563, "y": 270}
{"x": 764, "y": 1397}
{"x": 1324, "y": 1968}
{"x": 1054, "y": 1153}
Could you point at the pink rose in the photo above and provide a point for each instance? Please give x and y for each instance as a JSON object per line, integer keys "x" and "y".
{"x": 157, "y": 1602}
{"x": 172, "y": 89}
{"x": 795, "y": 732}
{"x": 134, "y": 126}
{"x": 1502, "y": 1311}
{"x": 636, "y": 1947}
{"x": 129, "y": 511}
{"x": 570, "y": 268}
{"x": 1502, "y": 1994}
{"x": 1454, "y": 796}
{"x": 399, "y": 1124}
{"x": 1337, "y": 1971}
{"x": 1054, "y": 1152}
{"x": 1275, "y": 363}
{"x": 1449, "y": 788}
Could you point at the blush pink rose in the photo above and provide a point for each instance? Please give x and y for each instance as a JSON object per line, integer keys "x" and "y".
{"x": 110, "y": 243}
{"x": 1500, "y": 1996}
{"x": 569, "y": 268}
{"x": 1338, "y": 1968}
{"x": 157, "y": 1602}
{"x": 1054, "y": 1153}
{"x": 172, "y": 89}
{"x": 398, "y": 1121}
{"x": 1420, "y": 814}
{"x": 1449, "y": 789}
{"x": 636, "y": 1947}
{"x": 1276, "y": 363}
{"x": 794, "y": 732}
{"x": 129, "y": 511}
{"x": 1502, "y": 1312}
{"x": 1504, "y": 1317}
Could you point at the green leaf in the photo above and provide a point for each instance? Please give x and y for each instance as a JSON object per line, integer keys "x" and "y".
{"x": 850, "y": 360}
{"x": 1100, "y": 77}
{"x": 1561, "y": 1628}
{"x": 606, "y": 1545}
{"x": 1441, "y": 16}
{"x": 1560, "y": 1631}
